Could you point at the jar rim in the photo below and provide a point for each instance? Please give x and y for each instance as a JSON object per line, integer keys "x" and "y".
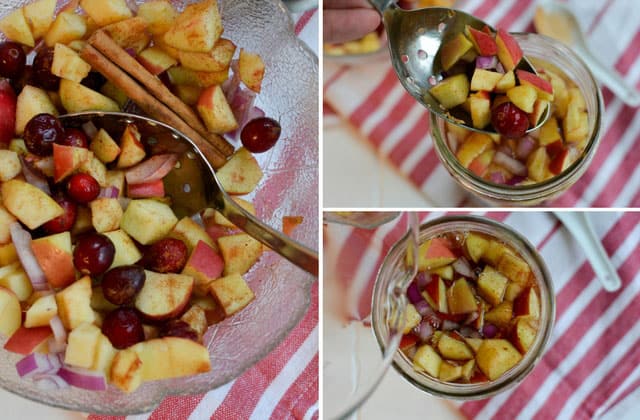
{"x": 547, "y": 188}
{"x": 514, "y": 375}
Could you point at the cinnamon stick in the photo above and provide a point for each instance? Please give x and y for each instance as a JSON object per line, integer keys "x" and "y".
{"x": 148, "y": 103}
{"x": 114, "y": 52}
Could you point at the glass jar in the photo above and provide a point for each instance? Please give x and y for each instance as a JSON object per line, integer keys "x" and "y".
{"x": 385, "y": 292}
{"x": 554, "y": 52}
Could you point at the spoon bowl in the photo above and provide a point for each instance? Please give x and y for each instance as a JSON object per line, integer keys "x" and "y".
{"x": 415, "y": 38}
{"x": 192, "y": 184}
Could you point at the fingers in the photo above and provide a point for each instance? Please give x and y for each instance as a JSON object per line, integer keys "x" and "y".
{"x": 346, "y": 4}
{"x": 350, "y": 24}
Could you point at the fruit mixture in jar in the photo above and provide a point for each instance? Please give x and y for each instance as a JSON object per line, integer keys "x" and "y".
{"x": 509, "y": 100}
{"x": 474, "y": 309}
{"x": 100, "y": 282}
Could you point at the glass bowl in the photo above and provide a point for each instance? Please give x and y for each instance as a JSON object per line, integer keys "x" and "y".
{"x": 289, "y": 187}
{"x": 554, "y": 52}
{"x": 381, "y": 320}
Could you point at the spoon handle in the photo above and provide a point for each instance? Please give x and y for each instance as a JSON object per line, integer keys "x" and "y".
{"x": 298, "y": 254}
{"x": 580, "y": 227}
{"x": 382, "y": 5}
{"x": 610, "y": 78}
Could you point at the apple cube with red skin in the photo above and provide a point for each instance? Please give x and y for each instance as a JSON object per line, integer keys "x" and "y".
{"x": 514, "y": 267}
{"x": 427, "y": 360}
{"x": 480, "y": 109}
{"x": 10, "y": 312}
{"x": 215, "y": 110}
{"x": 539, "y": 108}
{"x": 434, "y": 253}
{"x": 54, "y": 256}
{"x": 170, "y": 357}
{"x": 527, "y": 304}
{"x": 30, "y": 205}
{"x": 77, "y": 98}
{"x": 453, "y": 349}
{"x": 188, "y": 94}
{"x": 239, "y": 252}
{"x": 191, "y": 234}
{"x": 67, "y": 160}
{"x": 524, "y": 333}
{"x": 549, "y": 132}
{"x": 453, "y": 50}
{"x": 251, "y": 69}
{"x": 126, "y": 369}
{"x": 68, "y": 26}
{"x": 452, "y": 91}
{"x": 509, "y": 52}
{"x": 484, "y": 43}
{"x": 492, "y": 285}
{"x": 146, "y": 189}
{"x": 241, "y": 174}
{"x": 131, "y": 148}
{"x": 67, "y": 64}
{"x": 496, "y": 356}
{"x": 407, "y": 342}
{"x": 164, "y": 296}
{"x": 460, "y": 298}
{"x": 156, "y": 60}
{"x": 473, "y": 147}
{"x": 523, "y": 96}
{"x": 204, "y": 265}
{"x": 543, "y": 88}
{"x": 30, "y": 102}
{"x": 196, "y": 29}
{"x": 158, "y": 14}
{"x": 232, "y": 293}
{"x": 29, "y": 340}
{"x": 435, "y": 293}
{"x": 559, "y": 162}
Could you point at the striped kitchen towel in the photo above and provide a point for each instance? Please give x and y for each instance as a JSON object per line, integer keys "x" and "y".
{"x": 370, "y": 98}
{"x": 591, "y": 366}
{"x": 283, "y": 385}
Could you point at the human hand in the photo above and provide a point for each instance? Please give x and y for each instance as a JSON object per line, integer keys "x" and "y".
{"x": 346, "y": 20}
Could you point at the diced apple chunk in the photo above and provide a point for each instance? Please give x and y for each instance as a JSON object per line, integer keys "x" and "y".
{"x": 453, "y": 50}
{"x": 449, "y": 372}
{"x": 452, "y": 91}
{"x": 232, "y": 293}
{"x": 492, "y": 285}
{"x": 148, "y": 220}
{"x": 427, "y": 360}
{"x": 496, "y": 356}
{"x": 164, "y": 296}
{"x": 126, "y": 370}
{"x": 514, "y": 267}
{"x": 74, "y": 304}
{"x": 241, "y": 174}
{"x": 82, "y": 344}
{"x": 126, "y": 250}
{"x": 67, "y": 64}
{"x": 500, "y": 315}
{"x": 29, "y": 204}
{"x": 411, "y": 318}
{"x": 460, "y": 298}
{"x": 453, "y": 349}
{"x": 15, "y": 27}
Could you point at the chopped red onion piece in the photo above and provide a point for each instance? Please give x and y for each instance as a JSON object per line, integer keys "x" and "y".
{"x": 34, "y": 178}
{"x": 109, "y": 192}
{"x": 472, "y": 317}
{"x": 423, "y": 308}
{"x": 486, "y": 62}
{"x": 469, "y": 332}
{"x": 55, "y": 346}
{"x": 90, "y": 129}
{"x": 83, "y": 378}
{"x": 22, "y": 241}
{"x": 50, "y": 382}
{"x": 500, "y": 68}
{"x": 525, "y": 146}
{"x": 413, "y": 293}
{"x": 462, "y": 267}
{"x": 449, "y": 325}
{"x": 37, "y": 363}
{"x": 516, "y": 180}
{"x": 422, "y": 280}
{"x": 497, "y": 177}
{"x": 152, "y": 169}
{"x": 425, "y": 331}
{"x": 512, "y": 165}
{"x": 489, "y": 330}
{"x": 59, "y": 332}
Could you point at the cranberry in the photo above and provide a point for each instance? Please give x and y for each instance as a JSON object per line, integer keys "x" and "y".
{"x": 121, "y": 284}
{"x": 123, "y": 327}
{"x": 260, "y": 134}
{"x": 93, "y": 254}
{"x": 41, "y": 132}
{"x": 12, "y": 60}
{"x": 42, "y": 75}
{"x": 74, "y": 137}
{"x": 509, "y": 120}
{"x": 83, "y": 188}
{"x": 65, "y": 222}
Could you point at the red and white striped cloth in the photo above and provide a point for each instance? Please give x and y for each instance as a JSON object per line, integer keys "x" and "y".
{"x": 591, "y": 363}
{"x": 371, "y": 99}
{"x": 284, "y": 385}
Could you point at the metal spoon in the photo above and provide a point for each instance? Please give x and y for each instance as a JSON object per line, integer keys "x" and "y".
{"x": 415, "y": 36}
{"x": 579, "y": 225}
{"x": 557, "y": 21}
{"x": 192, "y": 184}
{"x": 361, "y": 219}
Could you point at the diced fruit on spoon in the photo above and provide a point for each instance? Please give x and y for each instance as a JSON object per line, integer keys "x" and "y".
{"x": 580, "y": 227}
{"x": 428, "y": 44}
{"x": 556, "y": 20}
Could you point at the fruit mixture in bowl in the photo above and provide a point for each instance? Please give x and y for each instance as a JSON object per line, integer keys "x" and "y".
{"x": 100, "y": 282}
{"x": 484, "y": 81}
{"x": 474, "y": 309}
